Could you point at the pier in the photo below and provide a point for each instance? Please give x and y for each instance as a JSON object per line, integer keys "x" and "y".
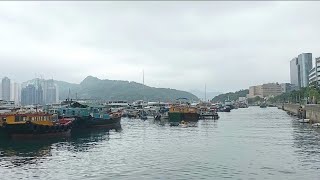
{"x": 310, "y": 111}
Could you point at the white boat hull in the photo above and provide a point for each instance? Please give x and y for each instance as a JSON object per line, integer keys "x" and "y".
{"x": 304, "y": 120}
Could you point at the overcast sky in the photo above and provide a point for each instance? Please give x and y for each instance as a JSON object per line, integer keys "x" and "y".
{"x": 182, "y": 45}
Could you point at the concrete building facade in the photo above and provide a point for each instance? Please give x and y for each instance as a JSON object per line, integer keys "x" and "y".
{"x": 265, "y": 90}
{"x": 255, "y": 91}
{"x": 314, "y": 73}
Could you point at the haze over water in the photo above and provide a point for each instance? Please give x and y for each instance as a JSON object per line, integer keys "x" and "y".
{"x": 252, "y": 143}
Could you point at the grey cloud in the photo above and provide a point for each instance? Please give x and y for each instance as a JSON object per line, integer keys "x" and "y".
{"x": 183, "y": 45}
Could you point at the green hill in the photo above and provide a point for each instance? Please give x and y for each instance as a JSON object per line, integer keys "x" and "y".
{"x": 231, "y": 95}
{"x": 94, "y": 88}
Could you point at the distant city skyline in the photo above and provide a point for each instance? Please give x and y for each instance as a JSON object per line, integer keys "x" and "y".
{"x": 36, "y": 91}
{"x": 180, "y": 45}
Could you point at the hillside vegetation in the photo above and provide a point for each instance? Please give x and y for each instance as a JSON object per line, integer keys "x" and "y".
{"x": 231, "y": 95}
{"x": 94, "y": 88}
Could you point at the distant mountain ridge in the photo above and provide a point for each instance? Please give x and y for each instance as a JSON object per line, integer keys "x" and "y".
{"x": 95, "y": 88}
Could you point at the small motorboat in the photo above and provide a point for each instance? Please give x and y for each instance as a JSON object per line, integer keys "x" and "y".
{"x": 304, "y": 120}
{"x": 317, "y": 125}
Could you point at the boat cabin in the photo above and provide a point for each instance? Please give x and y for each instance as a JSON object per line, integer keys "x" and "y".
{"x": 21, "y": 118}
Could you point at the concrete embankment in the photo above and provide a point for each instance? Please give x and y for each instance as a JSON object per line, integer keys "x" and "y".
{"x": 312, "y": 111}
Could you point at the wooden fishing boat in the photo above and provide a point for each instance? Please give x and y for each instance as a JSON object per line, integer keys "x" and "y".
{"x": 94, "y": 116}
{"x": 24, "y": 125}
{"x": 183, "y": 113}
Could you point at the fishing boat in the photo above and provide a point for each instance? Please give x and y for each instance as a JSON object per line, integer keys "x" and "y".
{"x": 94, "y": 116}
{"x": 143, "y": 115}
{"x": 227, "y": 108}
{"x": 178, "y": 114}
{"x": 38, "y": 124}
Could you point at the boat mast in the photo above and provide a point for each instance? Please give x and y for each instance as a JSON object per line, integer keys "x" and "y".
{"x": 205, "y": 92}
{"x": 143, "y": 76}
{"x": 143, "y": 86}
{"x": 69, "y": 95}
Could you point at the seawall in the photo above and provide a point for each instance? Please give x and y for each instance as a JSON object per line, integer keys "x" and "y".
{"x": 312, "y": 110}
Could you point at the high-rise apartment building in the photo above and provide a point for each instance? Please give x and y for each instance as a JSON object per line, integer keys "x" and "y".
{"x": 49, "y": 90}
{"x": 32, "y": 95}
{"x": 299, "y": 70}
{"x": 5, "y": 86}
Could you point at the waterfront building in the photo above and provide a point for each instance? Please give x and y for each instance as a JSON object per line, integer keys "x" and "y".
{"x": 294, "y": 72}
{"x": 271, "y": 89}
{"x": 265, "y": 90}
{"x": 287, "y": 87}
{"x": 5, "y": 86}
{"x": 300, "y": 68}
{"x": 314, "y": 73}
{"x": 254, "y": 91}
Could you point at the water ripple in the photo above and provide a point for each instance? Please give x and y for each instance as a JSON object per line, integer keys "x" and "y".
{"x": 250, "y": 143}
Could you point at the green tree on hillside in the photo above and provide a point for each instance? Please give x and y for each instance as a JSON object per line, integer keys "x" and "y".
{"x": 233, "y": 96}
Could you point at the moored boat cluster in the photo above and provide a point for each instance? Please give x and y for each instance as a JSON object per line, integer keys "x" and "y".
{"x": 62, "y": 119}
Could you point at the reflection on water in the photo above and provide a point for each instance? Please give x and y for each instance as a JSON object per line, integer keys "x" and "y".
{"x": 251, "y": 143}
{"x": 307, "y": 143}
{"x": 21, "y": 152}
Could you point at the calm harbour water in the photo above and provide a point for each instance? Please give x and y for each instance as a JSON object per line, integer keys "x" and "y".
{"x": 252, "y": 143}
